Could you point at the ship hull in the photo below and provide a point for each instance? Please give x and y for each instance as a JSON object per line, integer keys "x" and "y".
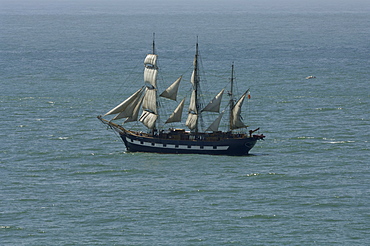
{"x": 234, "y": 146}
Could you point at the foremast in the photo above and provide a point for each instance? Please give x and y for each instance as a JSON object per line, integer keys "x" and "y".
{"x": 150, "y": 111}
{"x": 145, "y": 99}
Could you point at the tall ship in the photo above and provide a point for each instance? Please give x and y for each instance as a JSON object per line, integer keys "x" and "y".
{"x": 192, "y": 137}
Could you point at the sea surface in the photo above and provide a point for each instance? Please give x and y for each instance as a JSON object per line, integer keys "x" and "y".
{"x": 65, "y": 179}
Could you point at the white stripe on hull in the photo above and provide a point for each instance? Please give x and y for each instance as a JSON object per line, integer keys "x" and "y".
{"x": 172, "y": 146}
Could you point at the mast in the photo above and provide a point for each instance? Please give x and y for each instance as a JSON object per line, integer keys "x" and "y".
{"x": 194, "y": 108}
{"x": 150, "y": 114}
{"x": 231, "y": 96}
{"x": 153, "y": 43}
{"x": 196, "y": 85}
{"x": 156, "y": 95}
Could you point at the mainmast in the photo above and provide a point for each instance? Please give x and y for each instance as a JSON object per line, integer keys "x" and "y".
{"x": 194, "y": 108}
{"x": 196, "y": 85}
{"x": 231, "y": 96}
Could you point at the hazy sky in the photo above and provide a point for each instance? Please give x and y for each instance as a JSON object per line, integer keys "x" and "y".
{"x": 174, "y": 6}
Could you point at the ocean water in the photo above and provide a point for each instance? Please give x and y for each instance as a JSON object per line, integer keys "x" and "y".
{"x": 66, "y": 180}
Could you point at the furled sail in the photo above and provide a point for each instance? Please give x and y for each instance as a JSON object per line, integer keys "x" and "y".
{"x": 191, "y": 121}
{"x": 215, "y": 124}
{"x": 192, "y": 78}
{"x": 148, "y": 119}
{"x": 128, "y": 103}
{"x": 171, "y": 92}
{"x": 214, "y": 104}
{"x": 236, "y": 121}
{"x": 176, "y": 115}
{"x": 193, "y": 103}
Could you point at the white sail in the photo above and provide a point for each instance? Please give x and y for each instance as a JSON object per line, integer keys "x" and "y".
{"x": 130, "y": 109}
{"x": 192, "y": 78}
{"x": 135, "y": 112}
{"x": 177, "y": 113}
{"x": 122, "y": 106}
{"x": 150, "y": 76}
{"x": 214, "y": 104}
{"x": 193, "y": 115}
{"x": 171, "y": 92}
{"x": 148, "y": 119}
{"x": 191, "y": 121}
{"x": 193, "y": 105}
{"x": 236, "y": 121}
{"x": 215, "y": 124}
{"x": 151, "y": 59}
{"x": 150, "y": 100}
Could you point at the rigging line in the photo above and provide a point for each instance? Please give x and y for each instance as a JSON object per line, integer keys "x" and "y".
{"x": 207, "y": 86}
{"x": 115, "y": 132}
{"x": 248, "y": 111}
{"x": 127, "y": 81}
{"x": 176, "y": 58}
{"x": 225, "y": 120}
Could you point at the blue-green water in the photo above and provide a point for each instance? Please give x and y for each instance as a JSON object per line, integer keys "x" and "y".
{"x": 66, "y": 180}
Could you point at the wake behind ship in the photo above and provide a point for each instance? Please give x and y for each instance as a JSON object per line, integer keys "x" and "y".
{"x": 160, "y": 138}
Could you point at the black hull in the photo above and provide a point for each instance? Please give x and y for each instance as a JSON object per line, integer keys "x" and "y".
{"x": 233, "y": 146}
{"x": 178, "y": 141}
